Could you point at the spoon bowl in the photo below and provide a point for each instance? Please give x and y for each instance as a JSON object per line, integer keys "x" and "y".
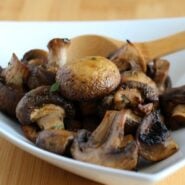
{"x": 91, "y": 45}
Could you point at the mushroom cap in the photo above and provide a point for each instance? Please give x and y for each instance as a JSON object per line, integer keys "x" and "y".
{"x": 38, "y": 97}
{"x": 88, "y": 78}
{"x": 33, "y": 54}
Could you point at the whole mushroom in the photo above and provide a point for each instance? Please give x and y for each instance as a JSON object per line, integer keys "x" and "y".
{"x": 44, "y": 107}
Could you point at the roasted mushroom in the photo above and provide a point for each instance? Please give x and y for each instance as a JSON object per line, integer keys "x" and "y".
{"x": 138, "y": 76}
{"x": 36, "y": 61}
{"x": 137, "y": 92}
{"x": 173, "y": 106}
{"x": 56, "y": 141}
{"x": 154, "y": 139}
{"x": 128, "y": 57}
{"x": 107, "y": 145}
{"x": 158, "y": 71}
{"x": 12, "y": 85}
{"x": 47, "y": 109}
{"x": 89, "y": 78}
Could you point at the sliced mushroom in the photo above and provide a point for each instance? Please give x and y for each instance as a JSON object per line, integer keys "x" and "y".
{"x": 16, "y": 72}
{"x": 12, "y": 85}
{"x": 56, "y": 141}
{"x": 158, "y": 71}
{"x": 107, "y": 145}
{"x": 154, "y": 139}
{"x": 173, "y": 105}
{"x": 138, "y": 76}
{"x": 36, "y": 61}
{"x": 139, "y": 97}
{"x": 57, "y": 53}
{"x": 127, "y": 97}
{"x": 89, "y": 78}
{"x": 47, "y": 109}
{"x": 128, "y": 57}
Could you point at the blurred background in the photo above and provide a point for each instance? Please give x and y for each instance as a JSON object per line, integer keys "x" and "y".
{"x": 89, "y": 9}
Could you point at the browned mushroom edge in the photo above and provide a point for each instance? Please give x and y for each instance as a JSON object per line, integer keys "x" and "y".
{"x": 56, "y": 141}
{"x": 36, "y": 61}
{"x": 154, "y": 139}
{"x": 107, "y": 145}
{"x": 173, "y": 105}
{"x": 12, "y": 85}
{"x": 128, "y": 57}
{"x": 158, "y": 70}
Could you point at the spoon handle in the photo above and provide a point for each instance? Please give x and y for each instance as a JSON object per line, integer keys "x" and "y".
{"x": 164, "y": 46}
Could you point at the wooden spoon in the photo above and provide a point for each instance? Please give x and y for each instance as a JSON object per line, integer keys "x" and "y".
{"x": 89, "y": 45}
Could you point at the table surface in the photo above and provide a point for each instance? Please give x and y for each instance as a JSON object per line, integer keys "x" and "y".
{"x": 21, "y": 168}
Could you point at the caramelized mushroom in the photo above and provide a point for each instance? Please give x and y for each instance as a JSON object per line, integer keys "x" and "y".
{"x": 12, "y": 85}
{"x": 87, "y": 79}
{"x": 137, "y": 92}
{"x": 158, "y": 71}
{"x": 138, "y": 76}
{"x": 107, "y": 145}
{"x": 128, "y": 57}
{"x": 173, "y": 106}
{"x": 36, "y": 61}
{"x": 47, "y": 109}
{"x": 154, "y": 139}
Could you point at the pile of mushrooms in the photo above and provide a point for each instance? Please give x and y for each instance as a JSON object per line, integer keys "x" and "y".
{"x": 110, "y": 111}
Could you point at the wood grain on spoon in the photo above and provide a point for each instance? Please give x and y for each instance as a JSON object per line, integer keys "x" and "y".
{"x": 89, "y": 45}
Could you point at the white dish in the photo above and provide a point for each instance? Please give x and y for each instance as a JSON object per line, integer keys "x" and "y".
{"x": 20, "y": 37}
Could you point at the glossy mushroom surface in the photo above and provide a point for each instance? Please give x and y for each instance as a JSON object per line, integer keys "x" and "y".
{"x": 89, "y": 78}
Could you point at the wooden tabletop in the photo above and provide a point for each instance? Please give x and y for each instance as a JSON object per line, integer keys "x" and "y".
{"x": 21, "y": 168}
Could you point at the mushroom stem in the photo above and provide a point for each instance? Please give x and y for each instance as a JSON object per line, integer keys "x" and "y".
{"x": 49, "y": 117}
{"x": 57, "y": 56}
{"x": 107, "y": 145}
